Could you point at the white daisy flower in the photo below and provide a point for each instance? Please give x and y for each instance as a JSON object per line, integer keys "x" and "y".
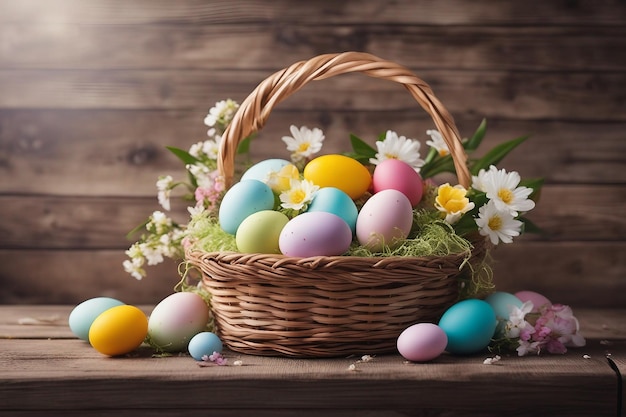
{"x": 303, "y": 142}
{"x": 398, "y": 147}
{"x": 502, "y": 188}
{"x": 299, "y": 195}
{"x": 436, "y": 141}
{"x": 498, "y": 225}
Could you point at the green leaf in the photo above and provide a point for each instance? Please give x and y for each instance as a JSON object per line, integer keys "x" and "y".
{"x": 530, "y": 227}
{"x": 474, "y": 142}
{"x": 495, "y": 155}
{"x": 184, "y": 156}
{"x": 536, "y": 184}
{"x": 244, "y": 145}
{"x": 136, "y": 230}
{"x": 361, "y": 148}
{"x": 437, "y": 166}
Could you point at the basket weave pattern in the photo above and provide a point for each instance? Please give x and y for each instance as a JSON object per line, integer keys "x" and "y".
{"x": 268, "y": 304}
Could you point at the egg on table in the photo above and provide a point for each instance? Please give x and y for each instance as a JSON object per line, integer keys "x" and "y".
{"x": 176, "y": 319}
{"x": 469, "y": 325}
{"x": 83, "y": 315}
{"x": 118, "y": 330}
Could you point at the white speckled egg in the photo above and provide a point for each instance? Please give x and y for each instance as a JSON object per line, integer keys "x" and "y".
{"x": 384, "y": 220}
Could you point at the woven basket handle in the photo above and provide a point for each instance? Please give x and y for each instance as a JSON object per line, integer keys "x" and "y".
{"x": 256, "y": 108}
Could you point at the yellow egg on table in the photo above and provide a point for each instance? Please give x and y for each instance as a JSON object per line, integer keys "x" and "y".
{"x": 339, "y": 171}
{"x": 118, "y": 330}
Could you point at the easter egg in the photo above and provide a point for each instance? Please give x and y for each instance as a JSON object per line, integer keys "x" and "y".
{"x": 316, "y": 233}
{"x": 241, "y": 200}
{"x": 537, "y": 299}
{"x": 204, "y": 343}
{"x": 398, "y": 175}
{"x": 469, "y": 325}
{"x": 339, "y": 171}
{"x": 385, "y": 220}
{"x": 502, "y": 302}
{"x": 261, "y": 170}
{"x": 422, "y": 342}
{"x": 259, "y": 232}
{"x": 118, "y": 330}
{"x": 176, "y": 319}
{"x": 83, "y": 315}
{"x": 335, "y": 201}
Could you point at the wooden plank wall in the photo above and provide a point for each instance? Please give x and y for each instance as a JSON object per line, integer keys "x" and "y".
{"x": 91, "y": 92}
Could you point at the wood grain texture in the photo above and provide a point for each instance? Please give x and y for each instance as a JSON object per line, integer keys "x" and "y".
{"x": 449, "y": 12}
{"x": 46, "y": 370}
{"x": 231, "y": 46}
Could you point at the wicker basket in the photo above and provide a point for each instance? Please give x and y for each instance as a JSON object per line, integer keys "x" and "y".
{"x": 268, "y": 304}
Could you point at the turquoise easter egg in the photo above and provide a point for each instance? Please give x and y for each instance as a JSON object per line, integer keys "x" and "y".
{"x": 333, "y": 200}
{"x": 241, "y": 200}
{"x": 469, "y": 325}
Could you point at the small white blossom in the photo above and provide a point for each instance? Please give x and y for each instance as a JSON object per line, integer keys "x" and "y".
{"x": 398, "y": 147}
{"x": 164, "y": 189}
{"x": 498, "y": 225}
{"x": 221, "y": 114}
{"x": 491, "y": 361}
{"x": 517, "y": 320}
{"x": 135, "y": 271}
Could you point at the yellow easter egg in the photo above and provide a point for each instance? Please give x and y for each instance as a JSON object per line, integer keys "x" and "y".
{"x": 339, "y": 171}
{"x": 118, "y": 330}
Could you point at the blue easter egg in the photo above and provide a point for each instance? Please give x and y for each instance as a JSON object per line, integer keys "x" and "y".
{"x": 204, "y": 344}
{"x": 84, "y": 314}
{"x": 261, "y": 170}
{"x": 333, "y": 200}
{"x": 469, "y": 325}
{"x": 241, "y": 200}
{"x": 501, "y": 302}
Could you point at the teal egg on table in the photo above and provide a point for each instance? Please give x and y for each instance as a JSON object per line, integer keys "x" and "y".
{"x": 469, "y": 325}
{"x": 333, "y": 200}
{"x": 261, "y": 170}
{"x": 204, "y": 343}
{"x": 84, "y": 314}
{"x": 502, "y": 302}
{"x": 241, "y": 200}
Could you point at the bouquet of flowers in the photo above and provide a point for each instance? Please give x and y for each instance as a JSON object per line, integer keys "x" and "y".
{"x": 494, "y": 206}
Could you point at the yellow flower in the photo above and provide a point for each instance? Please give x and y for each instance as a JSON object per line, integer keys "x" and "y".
{"x": 453, "y": 202}
{"x": 281, "y": 181}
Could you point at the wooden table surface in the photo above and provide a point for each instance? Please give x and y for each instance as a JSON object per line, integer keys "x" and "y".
{"x": 45, "y": 371}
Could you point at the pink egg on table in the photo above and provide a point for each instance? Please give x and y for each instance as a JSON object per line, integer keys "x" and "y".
{"x": 537, "y": 299}
{"x": 422, "y": 342}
